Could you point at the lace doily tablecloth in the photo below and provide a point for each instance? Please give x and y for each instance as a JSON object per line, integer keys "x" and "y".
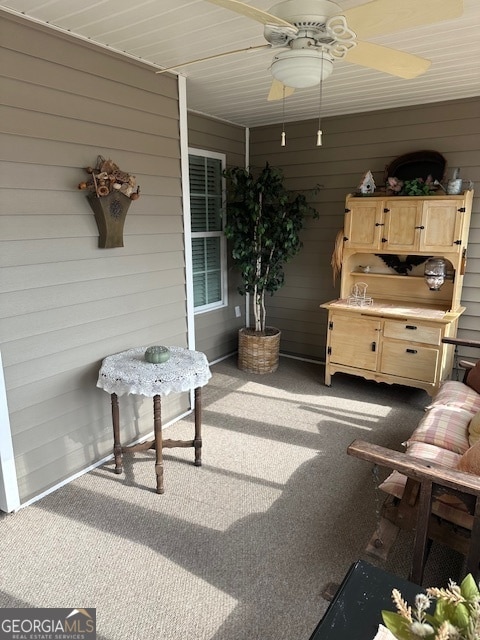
{"x": 128, "y": 372}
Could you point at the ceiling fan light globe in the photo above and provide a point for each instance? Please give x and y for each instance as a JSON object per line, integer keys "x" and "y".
{"x": 301, "y": 68}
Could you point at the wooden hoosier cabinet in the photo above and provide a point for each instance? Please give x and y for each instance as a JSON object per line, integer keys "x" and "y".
{"x": 388, "y": 325}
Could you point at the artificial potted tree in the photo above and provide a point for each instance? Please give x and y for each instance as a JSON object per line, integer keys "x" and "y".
{"x": 263, "y": 226}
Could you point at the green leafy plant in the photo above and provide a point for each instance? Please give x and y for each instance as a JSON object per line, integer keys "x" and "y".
{"x": 456, "y": 615}
{"x": 418, "y": 187}
{"x": 264, "y": 221}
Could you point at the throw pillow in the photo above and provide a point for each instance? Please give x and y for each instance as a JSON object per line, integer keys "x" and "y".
{"x": 473, "y": 378}
{"x": 474, "y": 429}
{"x": 453, "y": 393}
{"x": 470, "y": 461}
{"x": 445, "y": 427}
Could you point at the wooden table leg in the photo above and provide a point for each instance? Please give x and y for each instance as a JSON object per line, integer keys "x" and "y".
{"x": 117, "y": 446}
{"x": 197, "y": 442}
{"x": 157, "y": 425}
{"x": 158, "y": 442}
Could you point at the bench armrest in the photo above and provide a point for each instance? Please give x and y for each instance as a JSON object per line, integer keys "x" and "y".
{"x": 466, "y": 364}
{"x": 416, "y": 468}
{"x": 460, "y": 342}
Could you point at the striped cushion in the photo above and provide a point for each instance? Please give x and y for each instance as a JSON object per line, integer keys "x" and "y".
{"x": 442, "y": 436}
{"x": 433, "y": 453}
{"x": 454, "y": 510}
{"x": 445, "y": 427}
{"x": 456, "y": 394}
{"x": 395, "y": 483}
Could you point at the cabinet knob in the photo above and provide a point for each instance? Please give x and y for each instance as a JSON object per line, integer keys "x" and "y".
{"x": 421, "y": 227}
{"x": 374, "y": 346}
{"x": 410, "y": 326}
{"x": 379, "y": 224}
{"x": 411, "y": 350}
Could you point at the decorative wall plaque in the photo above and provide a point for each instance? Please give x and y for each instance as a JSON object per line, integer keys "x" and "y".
{"x": 111, "y": 192}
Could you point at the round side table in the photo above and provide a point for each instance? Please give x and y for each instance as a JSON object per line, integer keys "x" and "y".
{"x": 129, "y": 373}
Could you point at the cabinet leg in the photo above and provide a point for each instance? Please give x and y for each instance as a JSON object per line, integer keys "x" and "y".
{"x": 197, "y": 443}
{"x": 328, "y": 378}
{"x": 117, "y": 446}
{"x": 157, "y": 425}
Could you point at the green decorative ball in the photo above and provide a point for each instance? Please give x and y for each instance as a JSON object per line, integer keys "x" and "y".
{"x": 157, "y": 354}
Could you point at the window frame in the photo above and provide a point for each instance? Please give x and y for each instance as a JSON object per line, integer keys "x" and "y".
{"x": 223, "y": 302}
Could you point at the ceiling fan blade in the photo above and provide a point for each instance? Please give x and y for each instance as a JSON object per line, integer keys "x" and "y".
{"x": 387, "y": 16}
{"x": 397, "y": 63}
{"x": 251, "y": 12}
{"x": 217, "y": 55}
{"x": 278, "y": 91}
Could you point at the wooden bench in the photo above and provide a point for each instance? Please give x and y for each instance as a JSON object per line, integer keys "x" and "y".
{"x": 427, "y": 493}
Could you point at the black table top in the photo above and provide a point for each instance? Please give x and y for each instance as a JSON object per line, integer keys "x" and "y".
{"x": 356, "y": 609}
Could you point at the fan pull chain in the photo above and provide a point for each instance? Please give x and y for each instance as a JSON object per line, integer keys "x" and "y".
{"x": 283, "y": 142}
{"x": 319, "y": 132}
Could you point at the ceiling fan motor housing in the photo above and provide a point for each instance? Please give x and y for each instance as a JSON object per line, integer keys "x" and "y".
{"x": 312, "y": 50}
{"x": 306, "y": 13}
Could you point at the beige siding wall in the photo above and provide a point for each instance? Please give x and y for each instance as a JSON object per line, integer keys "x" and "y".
{"x": 65, "y": 303}
{"x": 216, "y": 331}
{"x": 352, "y": 144}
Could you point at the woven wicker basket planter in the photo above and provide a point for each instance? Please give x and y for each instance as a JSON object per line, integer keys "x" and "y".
{"x": 256, "y": 353}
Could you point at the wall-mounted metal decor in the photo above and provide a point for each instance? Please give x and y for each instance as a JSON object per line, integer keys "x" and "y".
{"x": 110, "y": 193}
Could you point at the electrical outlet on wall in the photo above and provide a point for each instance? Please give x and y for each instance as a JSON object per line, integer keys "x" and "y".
{"x": 238, "y": 313}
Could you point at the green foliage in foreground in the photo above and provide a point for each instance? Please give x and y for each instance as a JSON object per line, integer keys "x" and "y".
{"x": 456, "y": 615}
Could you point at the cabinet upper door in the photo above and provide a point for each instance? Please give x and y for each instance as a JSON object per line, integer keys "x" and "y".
{"x": 363, "y": 224}
{"x": 403, "y": 220}
{"x": 442, "y": 226}
{"x": 406, "y": 224}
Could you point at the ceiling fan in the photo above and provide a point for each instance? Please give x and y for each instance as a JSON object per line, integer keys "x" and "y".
{"x": 313, "y": 34}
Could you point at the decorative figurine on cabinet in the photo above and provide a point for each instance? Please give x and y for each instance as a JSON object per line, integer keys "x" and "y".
{"x": 367, "y": 185}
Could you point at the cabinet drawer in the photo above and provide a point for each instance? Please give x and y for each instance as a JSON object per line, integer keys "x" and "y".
{"x": 412, "y": 332}
{"x": 414, "y": 362}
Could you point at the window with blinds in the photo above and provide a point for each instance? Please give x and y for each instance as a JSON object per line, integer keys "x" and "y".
{"x": 208, "y": 240}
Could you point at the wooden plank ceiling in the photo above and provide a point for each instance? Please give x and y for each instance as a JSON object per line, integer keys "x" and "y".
{"x": 234, "y": 88}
